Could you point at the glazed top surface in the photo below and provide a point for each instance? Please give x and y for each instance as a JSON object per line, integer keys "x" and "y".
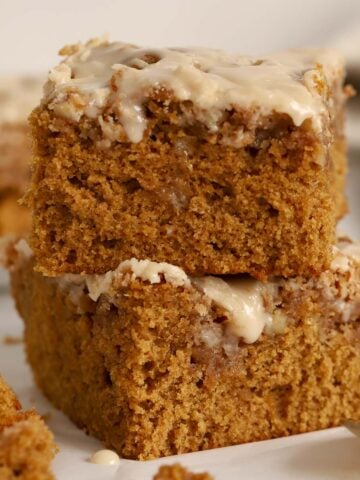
{"x": 99, "y": 74}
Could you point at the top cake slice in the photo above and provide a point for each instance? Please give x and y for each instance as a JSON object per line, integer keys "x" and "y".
{"x": 18, "y": 96}
{"x": 215, "y": 162}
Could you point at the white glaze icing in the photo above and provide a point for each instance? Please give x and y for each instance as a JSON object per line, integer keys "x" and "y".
{"x": 105, "y": 457}
{"x": 144, "y": 270}
{"x": 345, "y": 253}
{"x": 18, "y": 96}
{"x": 100, "y": 73}
{"x": 243, "y": 299}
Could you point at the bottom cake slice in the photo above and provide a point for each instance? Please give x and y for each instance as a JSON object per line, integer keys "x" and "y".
{"x": 155, "y": 363}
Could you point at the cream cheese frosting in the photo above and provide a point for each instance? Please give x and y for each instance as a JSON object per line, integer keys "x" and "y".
{"x": 243, "y": 299}
{"x": 100, "y": 74}
{"x": 145, "y": 270}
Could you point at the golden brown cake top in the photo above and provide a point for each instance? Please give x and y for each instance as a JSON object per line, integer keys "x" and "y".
{"x": 100, "y": 76}
{"x": 18, "y": 96}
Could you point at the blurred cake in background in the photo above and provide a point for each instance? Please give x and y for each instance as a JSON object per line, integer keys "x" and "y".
{"x": 347, "y": 42}
{"x": 178, "y": 472}
{"x": 18, "y": 95}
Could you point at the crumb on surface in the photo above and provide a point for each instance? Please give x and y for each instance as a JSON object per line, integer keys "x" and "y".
{"x": 178, "y": 472}
{"x": 12, "y": 340}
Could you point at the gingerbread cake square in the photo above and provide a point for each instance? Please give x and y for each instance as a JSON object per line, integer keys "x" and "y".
{"x": 215, "y": 162}
{"x": 18, "y": 96}
{"x": 154, "y": 362}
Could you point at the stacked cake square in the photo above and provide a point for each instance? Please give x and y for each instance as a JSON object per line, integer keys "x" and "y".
{"x": 184, "y": 288}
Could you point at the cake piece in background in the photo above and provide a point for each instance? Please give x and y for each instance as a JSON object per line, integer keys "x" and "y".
{"x": 155, "y": 363}
{"x": 26, "y": 445}
{"x": 18, "y": 96}
{"x": 178, "y": 472}
{"x": 215, "y": 162}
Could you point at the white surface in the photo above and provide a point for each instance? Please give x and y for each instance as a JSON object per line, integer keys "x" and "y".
{"x": 331, "y": 454}
{"x": 35, "y": 30}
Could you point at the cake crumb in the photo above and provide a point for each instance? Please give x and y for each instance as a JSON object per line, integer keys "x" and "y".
{"x": 12, "y": 340}
{"x": 26, "y": 445}
{"x": 178, "y": 472}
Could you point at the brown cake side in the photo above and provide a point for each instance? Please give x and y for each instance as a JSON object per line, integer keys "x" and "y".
{"x": 254, "y": 192}
{"x": 152, "y": 370}
{"x": 26, "y": 445}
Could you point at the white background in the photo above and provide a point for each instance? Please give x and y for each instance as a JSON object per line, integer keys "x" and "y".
{"x": 32, "y": 31}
